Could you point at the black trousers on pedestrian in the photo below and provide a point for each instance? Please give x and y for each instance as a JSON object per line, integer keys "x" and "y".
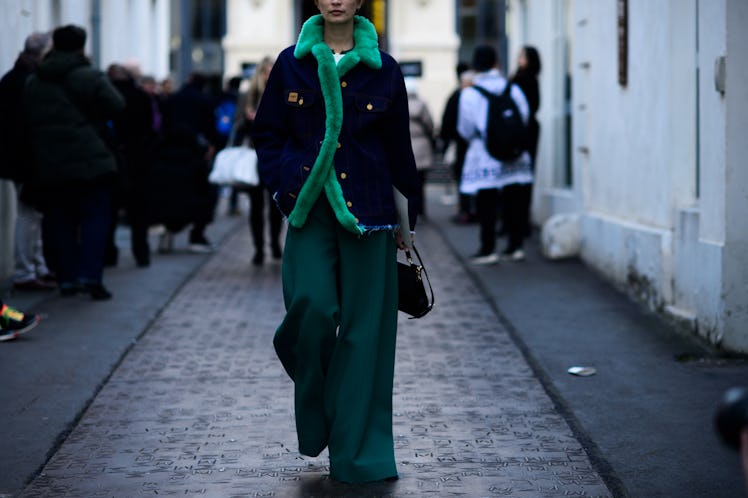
{"x": 516, "y": 214}
{"x": 258, "y": 198}
{"x": 487, "y": 209}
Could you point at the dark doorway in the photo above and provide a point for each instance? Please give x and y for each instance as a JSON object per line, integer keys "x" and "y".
{"x": 482, "y": 22}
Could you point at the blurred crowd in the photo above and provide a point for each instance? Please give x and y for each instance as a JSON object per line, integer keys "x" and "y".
{"x": 89, "y": 151}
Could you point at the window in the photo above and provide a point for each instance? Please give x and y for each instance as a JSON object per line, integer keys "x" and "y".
{"x": 481, "y": 22}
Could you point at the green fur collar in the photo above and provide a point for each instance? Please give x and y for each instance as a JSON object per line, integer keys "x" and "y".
{"x": 366, "y": 51}
{"x": 366, "y": 43}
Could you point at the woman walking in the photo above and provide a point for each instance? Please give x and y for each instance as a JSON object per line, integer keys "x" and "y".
{"x": 332, "y": 137}
{"x": 259, "y": 195}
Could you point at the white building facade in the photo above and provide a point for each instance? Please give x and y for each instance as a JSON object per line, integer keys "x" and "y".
{"x": 644, "y": 116}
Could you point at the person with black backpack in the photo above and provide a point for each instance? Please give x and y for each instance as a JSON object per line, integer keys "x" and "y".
{"x": 493, "y": 116}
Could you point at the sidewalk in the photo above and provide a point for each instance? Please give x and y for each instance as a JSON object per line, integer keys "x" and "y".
{"x": 52, "y": 373}
{"x": 200, "y": 405}
{"x": 646, "y": 417}
{"x": 483, "y": 403}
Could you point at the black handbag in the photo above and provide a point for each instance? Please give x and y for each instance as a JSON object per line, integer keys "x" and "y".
{"x": 411, "y": 286}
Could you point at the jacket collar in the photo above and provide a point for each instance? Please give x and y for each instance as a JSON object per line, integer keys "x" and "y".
{"x": 365, "y": 49}
{"x": 322, "y": 177}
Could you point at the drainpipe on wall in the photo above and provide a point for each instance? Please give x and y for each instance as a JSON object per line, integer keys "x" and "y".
{"x": 503, "y": 43}
{"x": 96, "y": 32}
{"x": 185, "y": 35}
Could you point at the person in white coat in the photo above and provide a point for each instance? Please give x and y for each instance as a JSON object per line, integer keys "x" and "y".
{"x": 486, "y": 177}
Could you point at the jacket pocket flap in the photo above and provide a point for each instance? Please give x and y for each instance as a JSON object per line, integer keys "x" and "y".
{"x": 368, "y": 103}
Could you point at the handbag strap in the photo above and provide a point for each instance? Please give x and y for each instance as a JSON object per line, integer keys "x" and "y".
{"x": 423, "y": 271}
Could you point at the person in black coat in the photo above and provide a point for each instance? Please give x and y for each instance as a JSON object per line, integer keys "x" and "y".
{"x": 31, "y": 269}
{"x": 183, "y": 196}
{"x": 526, "y": 77}
{"x": 447, "y": 134}
{"x": 135, "y": 140}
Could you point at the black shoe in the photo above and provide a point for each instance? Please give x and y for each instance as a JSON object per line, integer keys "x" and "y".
{"x": 68, "y": 289}
{"x": 35, "y": 284}
{"x": 490, "y": 258}
{"x": 277, "y": 252}
{"x": 510, "y": 254}
{"x": 258, "y": 259}
{"x": 143, "y": 261}
{"x": 201, "y": 245}
{"x": 98, "y": 292}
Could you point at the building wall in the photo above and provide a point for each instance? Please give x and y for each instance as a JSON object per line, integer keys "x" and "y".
{"x": 641, "y": 137}
{"x": 136, "y": 33}
{"x": 735, "y": 259}
{"x": 255, "y": 30}
{"x": 548, "y": 27}
{"x": 658, "y": 170}
{"x": 425, "y": 30}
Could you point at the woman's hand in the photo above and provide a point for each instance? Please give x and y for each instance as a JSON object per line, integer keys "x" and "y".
{"x": 400, "y": 241}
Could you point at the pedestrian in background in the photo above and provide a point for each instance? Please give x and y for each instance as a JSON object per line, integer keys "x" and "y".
{"x": 31, "y": 270}
{"x": 332, "y": 137}
{"x": 67, "y": 103}
{"x": 228, "y": 114}
{"x": 422, "y": 137}
{"x": 483, "y": 175}
{"x": 451, "y": 139}
{"x": 225, "y": 111}
{"x": 150, "y": 87}
{"x": 526, "y": 77}
{"x": 166, "y": 87}
{"x": 136, "y": 141}
{"x": 181, "y": 192}
{"x": 260, "y": 196}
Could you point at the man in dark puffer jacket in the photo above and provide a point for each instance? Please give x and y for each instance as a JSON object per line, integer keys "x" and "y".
{"x": 68, "y": 104}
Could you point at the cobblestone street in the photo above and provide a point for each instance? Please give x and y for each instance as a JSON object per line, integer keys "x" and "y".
{"x": 201, "y": 406}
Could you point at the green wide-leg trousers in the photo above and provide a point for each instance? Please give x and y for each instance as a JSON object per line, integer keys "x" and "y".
{"x": 337, "y": 343}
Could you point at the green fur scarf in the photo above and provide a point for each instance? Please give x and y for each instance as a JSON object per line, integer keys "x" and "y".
{"x": 322, "y": 176}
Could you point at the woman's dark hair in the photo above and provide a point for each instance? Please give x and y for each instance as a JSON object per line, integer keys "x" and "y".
{"x": 533, "y": 60}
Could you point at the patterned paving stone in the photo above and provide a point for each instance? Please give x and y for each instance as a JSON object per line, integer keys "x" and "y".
{"x": 201, "y": 406}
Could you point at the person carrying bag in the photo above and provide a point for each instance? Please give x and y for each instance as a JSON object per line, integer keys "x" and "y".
{"x": 332, "y": 138}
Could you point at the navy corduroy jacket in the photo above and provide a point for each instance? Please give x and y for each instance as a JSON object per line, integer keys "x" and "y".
{"x": 374, "y": 151}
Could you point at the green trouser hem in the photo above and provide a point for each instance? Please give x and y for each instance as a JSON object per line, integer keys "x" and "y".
{"x": 337, "y": 342}
{"x": 353, "y": 473}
